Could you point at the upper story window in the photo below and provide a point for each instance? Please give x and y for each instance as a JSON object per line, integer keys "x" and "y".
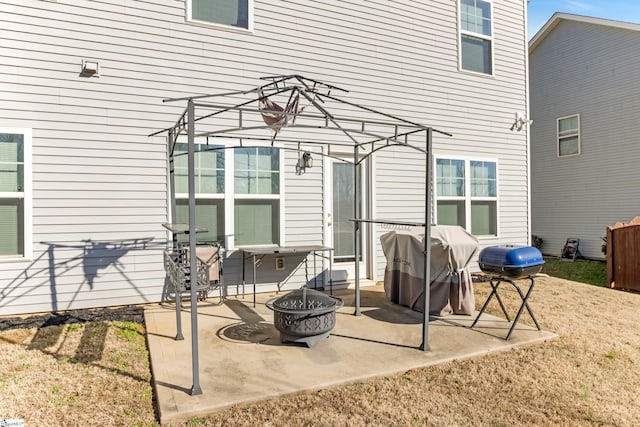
{"x": 223, "y": 13}
{"x": 467, "y": 195}
{"x": 476, "y": 36}
{"x": 569, "y": 136}
{"x": 15, "y": 193}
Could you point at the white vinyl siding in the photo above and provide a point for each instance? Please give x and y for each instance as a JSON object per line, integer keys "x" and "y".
{"x": 100, "y": 182}
{"x": 230, "y": 14}
{"x": 15, "y": 193}
{"x": 579, "y": 196}
{"x": 476, "y": 36}
{"x": 569, "y": 136}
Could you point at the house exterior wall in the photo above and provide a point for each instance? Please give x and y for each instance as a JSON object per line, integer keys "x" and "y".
{"x": 100, "y": 182}
{"x": 591, "y": 70}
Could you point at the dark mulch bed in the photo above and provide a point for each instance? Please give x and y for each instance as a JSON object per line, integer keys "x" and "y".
{"x": 123, "y": 314}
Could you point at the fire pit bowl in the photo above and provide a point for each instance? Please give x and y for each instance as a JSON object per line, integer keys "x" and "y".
{"x": 304, "y": 315}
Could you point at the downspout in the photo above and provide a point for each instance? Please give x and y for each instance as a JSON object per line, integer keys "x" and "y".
{"x": 527, "y": 116}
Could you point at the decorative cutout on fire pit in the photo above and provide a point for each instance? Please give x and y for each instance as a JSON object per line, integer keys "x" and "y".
{"x": 304, "y": 315}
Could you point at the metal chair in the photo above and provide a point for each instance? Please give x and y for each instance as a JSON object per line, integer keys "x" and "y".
{"x": 571, "y": 250}
{"x": 209, "y": 277}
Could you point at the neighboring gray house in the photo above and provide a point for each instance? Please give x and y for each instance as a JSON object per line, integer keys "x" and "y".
{"x": 84, "y": 189}
{"x": 585, "y": 103}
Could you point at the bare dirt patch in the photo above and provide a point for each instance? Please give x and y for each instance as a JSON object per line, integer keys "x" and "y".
{"x": 96, "y": 373}
{"x": 83, "y": 367}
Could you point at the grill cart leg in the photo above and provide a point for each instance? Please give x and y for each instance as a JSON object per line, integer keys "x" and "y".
{"x": 495, "y": 282}
{"x": 523, "y": 305}
{"x": 494, "y": 292}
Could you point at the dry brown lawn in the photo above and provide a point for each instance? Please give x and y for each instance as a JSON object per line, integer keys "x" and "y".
{"x": 97, "y": 373}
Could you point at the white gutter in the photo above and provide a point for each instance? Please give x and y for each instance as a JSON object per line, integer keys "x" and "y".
{"x": 527, "y": 117}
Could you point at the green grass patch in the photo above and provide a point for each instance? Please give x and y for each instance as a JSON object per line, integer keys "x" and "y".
{"x": 74, "y": 327}
{"x": 129, "y": 331}
{"x": 121, "y": 360}
{"x": 591, "y": 272}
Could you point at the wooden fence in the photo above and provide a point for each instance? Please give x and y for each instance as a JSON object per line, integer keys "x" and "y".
{"x": 623, "y": 249}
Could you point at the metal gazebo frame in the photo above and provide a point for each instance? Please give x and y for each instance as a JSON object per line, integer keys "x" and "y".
{"x": 364, "y": 129}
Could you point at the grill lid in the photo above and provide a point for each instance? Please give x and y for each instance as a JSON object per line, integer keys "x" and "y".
{"x": 511, "y": 256}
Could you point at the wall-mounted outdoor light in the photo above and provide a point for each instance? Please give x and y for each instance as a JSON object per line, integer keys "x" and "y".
{"x": 521, "y": 121}
{"x": 304, "y": 162}
{"x": 307, "y": 159}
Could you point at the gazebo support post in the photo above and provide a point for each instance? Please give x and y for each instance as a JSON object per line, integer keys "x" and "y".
{"x": 356, "y": 227}
{"x": 427, "y": 244}
{"x": 174, "y": 237}
{"x": 193, "y": 279}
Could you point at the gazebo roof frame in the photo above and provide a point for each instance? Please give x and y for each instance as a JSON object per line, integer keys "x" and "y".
{"x": 310, "y": 89}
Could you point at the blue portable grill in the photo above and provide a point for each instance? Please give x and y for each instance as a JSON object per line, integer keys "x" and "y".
{"x": 507, "y": 263}
{"x": 511, "y": 261}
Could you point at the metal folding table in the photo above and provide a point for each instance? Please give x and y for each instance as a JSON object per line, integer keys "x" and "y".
{"x": 258, "y": 253}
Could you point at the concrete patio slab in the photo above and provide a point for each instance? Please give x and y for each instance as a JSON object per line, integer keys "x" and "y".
{"x": 242, "y": 359}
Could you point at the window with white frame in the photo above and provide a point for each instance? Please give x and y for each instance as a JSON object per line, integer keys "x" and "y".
{"x": 253, "y": 199}
{"x": 257, "y": 196}
{"x": 569, "y": 135}
{"x": 476, "y": 36}
{"x": 209, "y": 167}
{"x": 15, "y": 193}
{"x": 466, "y": 195}
{"x": 225, "y": 13}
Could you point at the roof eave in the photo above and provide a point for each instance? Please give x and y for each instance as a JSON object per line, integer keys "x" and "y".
{"x": 559, "y": 16}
